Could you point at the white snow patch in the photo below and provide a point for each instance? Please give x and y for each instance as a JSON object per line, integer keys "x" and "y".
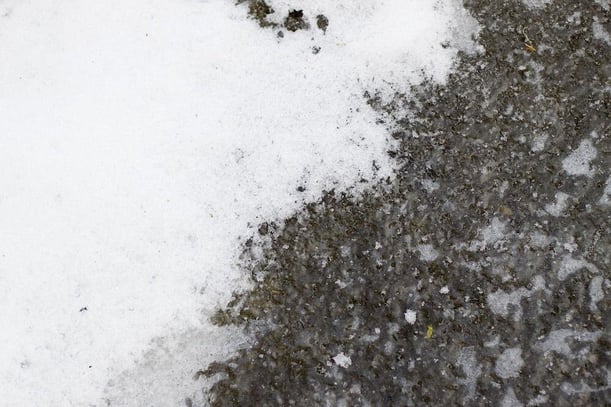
{"x": 605, "y": 199}
{"x": 410, "y": 316}
{"x": 444, "y": 290}
{"x": 341, "y": 284}
{"x": 499, "y": 301}
{"x": 599, "y": 32}
{"x": 570, "y": 265}
{"x": 342, "y": 360}
{"x": 578, "y": 162}
{"x": 540, "y": 240}
{"x": 139, "y": 138}
{"x": 538, "y": 143}
{"x": 510, "y": 399}
{"x": 509, "y": 363}
{"x": 427, "y": 252}
{"x": 582, "y": 387}
{"x": 541, "y": 399}
{"x": 536, "y": 3}
{"x": 493, "y": 342}
{"x": 558, "y": 340}
{"x": 430, "y": 185}
{"x": 169, "y": 355}
{"x": 467, "y": 360}
{"x": 491, "y": 235}
{"x": 402, "y": 41}
{"x": 569, "y": 245}
{"x": 596, "y": 291}
{"x": 556, "y": 208}
{"x": 603, "y": 3}
{"x": 574, "y": 18}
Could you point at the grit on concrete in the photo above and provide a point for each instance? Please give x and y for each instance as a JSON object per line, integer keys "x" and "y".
{"x": 480, "y": 274}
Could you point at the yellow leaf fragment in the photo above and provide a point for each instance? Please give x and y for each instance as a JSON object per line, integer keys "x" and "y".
{"x": 429, "y": 332}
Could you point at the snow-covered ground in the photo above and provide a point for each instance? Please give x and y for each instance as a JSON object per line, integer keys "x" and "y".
{"x": 138, "y": 141}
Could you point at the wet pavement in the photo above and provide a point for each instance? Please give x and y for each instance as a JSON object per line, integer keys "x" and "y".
{"x": 479, "y": 275}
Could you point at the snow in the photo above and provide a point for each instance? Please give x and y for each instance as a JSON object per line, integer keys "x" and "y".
{"x": 490, "y": 236}
{"x": 605, "y": 4}
{"x": 556, "y": 208}
{"x": 467, "y": 360}
{"x": 597, "y": 293}
{"x": 410, "y": 316}
{"x": 139, "y": 140}
{"x": 500, "y": 301}
{"x": 510, "y": 399}
{"x": 558, "y": 340}
{"x": 427, "y": 252}
{"x": 538, "y": 142}
{"x": 509, "y": 363}
{"x": 541, "y": 399}
{"x": 600, "y": 33}
{"x": 570, "y": 265}
{"x": 536, "y": 4}
{"x": 342, "y": 360}
{"x": 540, "y": 240}
{"x": 429, "y": 185}
{"x": 578, "y": 162}
{"x": 401, "y": 41}
{"x": 605, "y": 198}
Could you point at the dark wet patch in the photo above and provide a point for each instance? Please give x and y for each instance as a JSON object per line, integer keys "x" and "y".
{"x": 460, "y": 236}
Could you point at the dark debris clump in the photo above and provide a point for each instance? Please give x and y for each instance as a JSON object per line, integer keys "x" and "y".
{"x": 295, "y": 20}
{"x": 259, "y": 10}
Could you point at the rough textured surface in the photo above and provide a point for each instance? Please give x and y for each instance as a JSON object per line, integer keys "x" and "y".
{"x": 480, "y": 275}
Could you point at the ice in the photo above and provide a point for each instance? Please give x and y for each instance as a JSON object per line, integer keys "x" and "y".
{"x": 600, "y": 33}
{"x": 429, "y": 185}
{"x": 570, "y": 265}
{"x": 490, "y": 236}
{"x": 604, "y": 199}
{"x": 558, "y": 340}
{"x": 509, "y": 363}
{"x": 538, "y": 142}
{"x": 578, "y": 162}
{"x": 342, "y": 360}
{"x": 500, "y": 301}
{"x": 427, "y": 252}
{"x": 467, "y": 360}
{"x": 556, "y": 208}
{"x": 596, "y": 291}
{"x": 604, "y": 4}
{"x": 536, "y": 4}
{"x": 510, "y": 399}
